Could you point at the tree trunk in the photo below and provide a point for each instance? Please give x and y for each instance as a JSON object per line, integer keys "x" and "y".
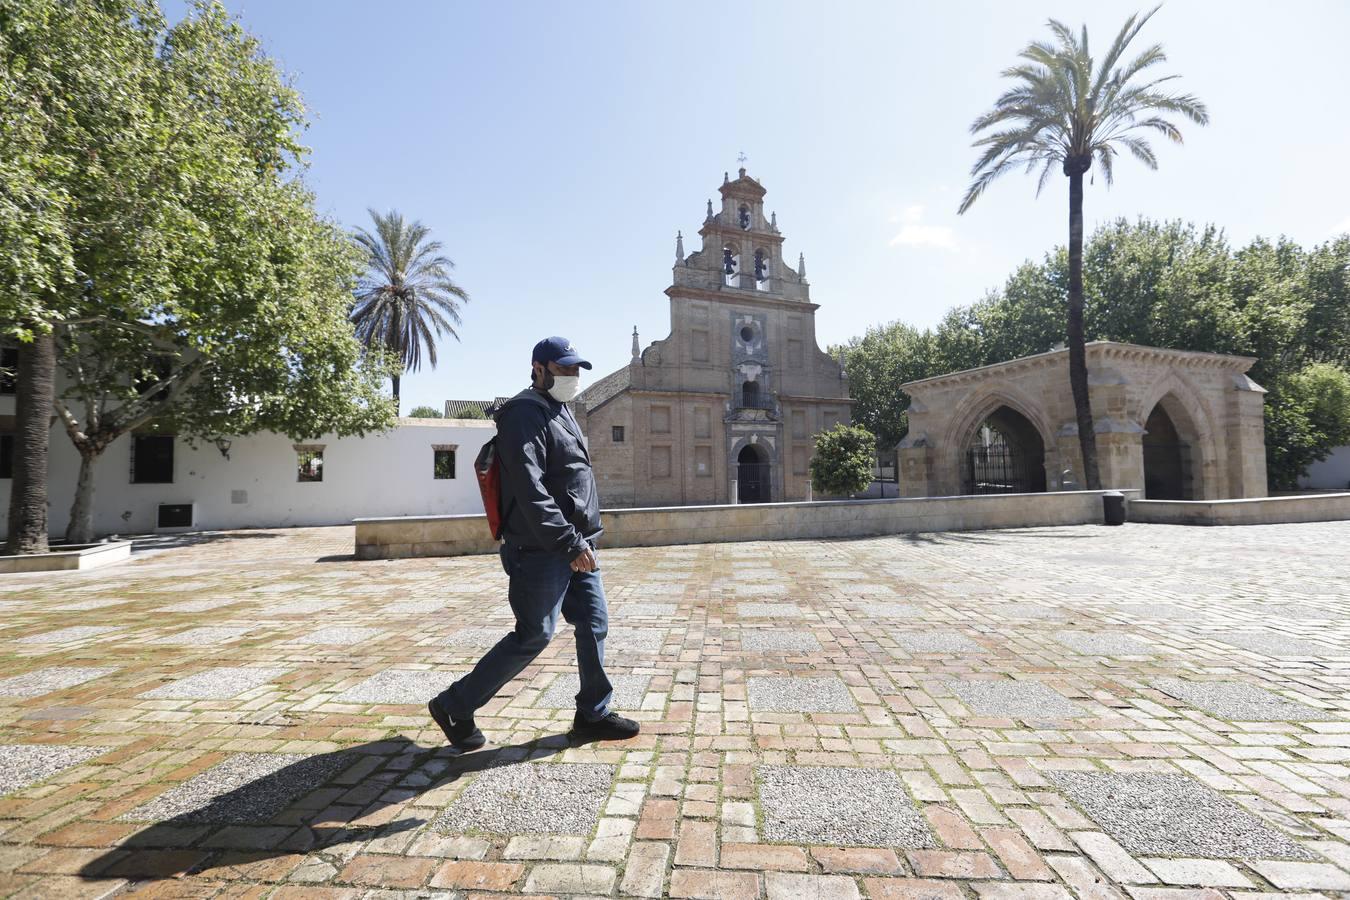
{"x": 81, "y": 527}
{"x": 1078, "y": 375}
{"x": 32, "y": 435}
{"x": 397, "y": 379}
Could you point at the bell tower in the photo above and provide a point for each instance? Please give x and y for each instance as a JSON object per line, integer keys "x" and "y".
{"x": 724, "y": 408}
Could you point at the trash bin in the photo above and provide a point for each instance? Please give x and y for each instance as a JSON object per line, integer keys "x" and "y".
{"x": 1113, "y": 507}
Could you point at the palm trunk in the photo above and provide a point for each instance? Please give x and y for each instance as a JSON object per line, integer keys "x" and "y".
{"x": 1078, "y": 374}
{"x": 81, "y": 527}
{"x": 32, "y": 435}
{"x": 397, "y": 379}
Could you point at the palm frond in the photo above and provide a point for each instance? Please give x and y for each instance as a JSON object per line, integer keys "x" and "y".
{"x": 1063, "y": 105}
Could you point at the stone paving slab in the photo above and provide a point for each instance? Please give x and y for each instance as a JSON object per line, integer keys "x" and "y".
{"x": 342, "y": 635}
{"x": 206, "y": 634}
{"x": 1022, "y": 699}
{"x": 23, "y": 765}
{"x": 1172, "y": 815}
{"x": 774, "y": 639}
{"x": 562, "y": 692}
{"x": 531, "y": 798}
{"x": 935, "y": 642}
{"x": 1241, "y": 702}
{"x": 221, "y": 683}
{"x": 398, "y": 686}
{"x": 68, "y": 635}
{"x": 1106, "y": 644}
{"x": 50, "y": 680}
{"x": 774, "y": 693}
{"x": 246, "y": 788}
{"x": 833, "y": 805}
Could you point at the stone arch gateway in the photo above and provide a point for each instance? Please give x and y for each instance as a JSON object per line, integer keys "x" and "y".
{"x": 1190, "y": 424}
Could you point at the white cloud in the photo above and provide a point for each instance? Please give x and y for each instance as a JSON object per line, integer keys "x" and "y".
{"x": 1343, "y": 228}
{"x": 913, "y": 233}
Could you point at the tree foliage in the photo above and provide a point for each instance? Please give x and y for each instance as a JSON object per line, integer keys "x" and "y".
{"x": 197, "y": 287}
{"x": 1162, "y": 284}
{"x": 426, "y": 412}
{"x": 843, "y": 459}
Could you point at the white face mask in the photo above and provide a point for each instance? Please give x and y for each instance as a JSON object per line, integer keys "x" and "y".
{"x": 565, "y": 388}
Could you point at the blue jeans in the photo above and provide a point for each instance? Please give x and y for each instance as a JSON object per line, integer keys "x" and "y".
{"x": 542, "y": 586}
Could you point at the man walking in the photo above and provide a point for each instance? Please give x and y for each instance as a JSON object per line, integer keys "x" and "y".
{"x": 550, "y": 523}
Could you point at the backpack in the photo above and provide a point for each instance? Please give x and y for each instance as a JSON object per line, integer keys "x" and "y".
{"x": 488, "y": 468}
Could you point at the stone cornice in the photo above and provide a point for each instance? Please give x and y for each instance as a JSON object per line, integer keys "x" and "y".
{"x": 1097, "y": 351}
{"x": 721, "y": 228}
{"x": 739, "y": 296}
{"x": 788, "y": 398}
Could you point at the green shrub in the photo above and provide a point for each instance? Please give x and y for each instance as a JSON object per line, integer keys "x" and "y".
{"x": 843, "y": 460}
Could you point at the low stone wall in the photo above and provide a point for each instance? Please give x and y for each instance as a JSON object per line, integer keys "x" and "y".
{"x": 394, "y": 538}
{"x": 1259, "y": 511}
{"x": 69, "y": 558}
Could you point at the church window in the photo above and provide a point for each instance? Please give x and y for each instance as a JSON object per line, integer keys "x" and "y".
{"x": 660, "y": 462}
{"x": 743, "y": 217}
{"x": 699, "y": 344}
{"x": 750, "y": 395}
{"x": 747, "y": 334}
{"x": 660, "y": 422}
{"x": 703, "y": 461}
{"x": 616, "y": 433}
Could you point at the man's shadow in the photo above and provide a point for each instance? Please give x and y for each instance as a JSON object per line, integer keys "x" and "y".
{"x": 311, "y": 804}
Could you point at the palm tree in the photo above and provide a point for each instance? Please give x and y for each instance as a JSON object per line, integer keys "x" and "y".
{"x": 1061, "y": 113}
{"x": 406, "y": 299}
{"x": 34, "y": 389}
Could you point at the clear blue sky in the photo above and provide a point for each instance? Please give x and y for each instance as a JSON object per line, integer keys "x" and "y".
{"x": 555, "y": 148}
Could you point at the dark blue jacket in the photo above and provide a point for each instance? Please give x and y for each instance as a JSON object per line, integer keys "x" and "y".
{"x": 549, "y": 500}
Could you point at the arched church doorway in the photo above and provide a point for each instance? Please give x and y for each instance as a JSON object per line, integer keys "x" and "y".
{"x": 1167, "y": 459}
{"x": 752, "y": 475}
{"x": 1004, "y": 455}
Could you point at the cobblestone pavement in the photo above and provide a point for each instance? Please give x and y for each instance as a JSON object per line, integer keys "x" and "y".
{"x": 1149, "y": 712}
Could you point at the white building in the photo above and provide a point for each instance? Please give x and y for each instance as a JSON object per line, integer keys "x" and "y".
{"x": 145, "y": 483}
{"x": 1331, "y": 474}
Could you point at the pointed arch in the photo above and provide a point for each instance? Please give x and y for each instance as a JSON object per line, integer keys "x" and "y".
{"x": 1180, "y": 401}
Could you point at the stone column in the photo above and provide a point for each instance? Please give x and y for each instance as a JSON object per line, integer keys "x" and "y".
{"x": 1245, "y": 435}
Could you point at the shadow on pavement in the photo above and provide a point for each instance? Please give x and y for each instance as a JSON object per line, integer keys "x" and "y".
{"x": 313, "y": 803}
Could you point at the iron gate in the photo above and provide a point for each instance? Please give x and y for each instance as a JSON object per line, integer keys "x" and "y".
{"x": 752, "y": 485}
{"x": 1001, "y": 469}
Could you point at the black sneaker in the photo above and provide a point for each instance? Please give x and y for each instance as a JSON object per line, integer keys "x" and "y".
{"x": 612, "y": 727}
{"x": 461, "y": 735}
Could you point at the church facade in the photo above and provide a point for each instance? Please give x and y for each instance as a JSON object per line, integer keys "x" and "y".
{"x": 726, "y": 408}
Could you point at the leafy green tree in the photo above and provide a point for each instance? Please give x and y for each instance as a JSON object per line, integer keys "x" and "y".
{"x": 213, "y": 298}
{"x": 842, "y": 463}
{"x": 406, "y": 299}
{"x": 1312, "y": 415}
{"x": 877, "y": 364}
{"x": 426, "y": 412}
{"x": 1067, "y": 111}
{"x": 75, "y": 76}
{"x": 472, "y": 412}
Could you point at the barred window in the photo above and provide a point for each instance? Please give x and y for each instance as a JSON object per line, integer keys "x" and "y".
{"x": 152, "y": 459}
{"x": 309, "y": 464}
{"x": 616, "y": 433}
{"x": 443, "y": 464}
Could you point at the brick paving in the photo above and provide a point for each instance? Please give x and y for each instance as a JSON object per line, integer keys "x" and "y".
{"x": 1142, "y": 712}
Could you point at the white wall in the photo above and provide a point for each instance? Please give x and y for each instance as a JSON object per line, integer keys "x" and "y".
{"x": 387, "y": 474}
{"x": 1331, "y": 474}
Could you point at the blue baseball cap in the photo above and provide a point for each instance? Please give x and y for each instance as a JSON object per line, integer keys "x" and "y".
{"x": 558, "y": 350}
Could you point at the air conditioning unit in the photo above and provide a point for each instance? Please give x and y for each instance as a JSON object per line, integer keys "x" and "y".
{"x": 176, "y": 515}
